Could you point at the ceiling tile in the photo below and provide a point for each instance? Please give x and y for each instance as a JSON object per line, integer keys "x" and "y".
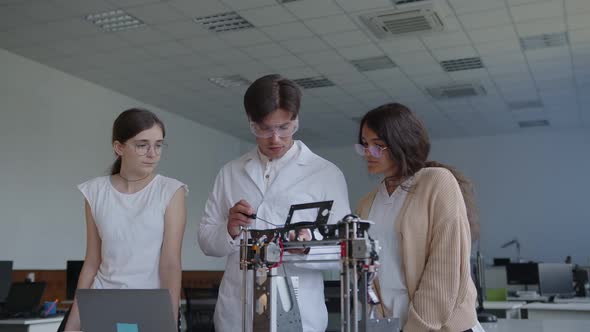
{"x": 206, "y": 44}
{"x": 461, "y": 52}
{"x": 305, "y": 45}
{"x": 200, "y": 8}
{"x": 331, "y": 24}
{"x": 266, "y": 50}
{"x": 468, "y": 6}
{"x": 355, "y": 5}
{"x": 288, "y": 31}
{"x": 360, "y": 52}
{"x": 270, "y": 15}
{"x": 307, "y": 9}
{"x": 156, "y": 13}
{"x": 495, "y": 48}
{"x": 283, "y": 62}
{"x": 344, "y": 39}
{"x": 496, "y": 34}
{"x": 486, "y": 19}
{"x": 181, "y": 29}
{"x": 167, "y": 49}
{"x": 402, "y": 45}
{"x": 576, "y": 6}
{"x": 248, "y": 4}
{"x": 317, "y": 58}
{"x": 537, "y": 10}
{"x": 541, "y": 26}
{"x": 143, "y": 35}
{"x": 446, "y": 40}
{"x": 248, "y": 37}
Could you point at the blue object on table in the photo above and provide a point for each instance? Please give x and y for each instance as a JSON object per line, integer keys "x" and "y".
{"x": 125, "y": 327}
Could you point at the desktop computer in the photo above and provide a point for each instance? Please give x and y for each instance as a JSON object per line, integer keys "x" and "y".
{"x": 5, "y": 279}
{"x": 556, "y": 280}
{"x": 522, "y": 274}
{"x": 73, "y": 269}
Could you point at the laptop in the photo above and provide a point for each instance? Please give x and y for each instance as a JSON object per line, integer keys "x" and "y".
{"x": 125, "y": 310}
{"x": 23, "y": 300}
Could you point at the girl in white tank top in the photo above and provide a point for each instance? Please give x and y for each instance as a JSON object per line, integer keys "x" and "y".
{"x": 135, "y": 218}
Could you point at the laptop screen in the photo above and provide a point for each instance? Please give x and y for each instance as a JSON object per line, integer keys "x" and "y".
{"x": 24, "y": 297}
{"x": 5, "y": 279}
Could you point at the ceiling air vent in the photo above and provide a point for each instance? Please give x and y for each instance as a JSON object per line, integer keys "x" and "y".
{"x": 313, "y": 82}
{"x": 533, "y": 123}
{"x": 462, "y": 90}
{"x": 409, "y": 19}
{"x": 524, "y": 104}
{"x": 461, "y": 64}
{"x": 230, "y": 21}
{"x": 544, "y": 40}
{"x": 373, "y": 63}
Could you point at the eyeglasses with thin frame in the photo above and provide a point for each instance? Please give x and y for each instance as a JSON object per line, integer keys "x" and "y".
{"x": 142, "y": 148}
{"x": 283, "y": 131}
{"x": 374, "y": 150}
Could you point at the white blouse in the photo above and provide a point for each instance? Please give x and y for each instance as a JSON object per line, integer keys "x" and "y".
{"x": 131, "y": 228}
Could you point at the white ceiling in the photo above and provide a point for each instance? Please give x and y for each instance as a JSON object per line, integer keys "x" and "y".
{"x": 168, "y": 63}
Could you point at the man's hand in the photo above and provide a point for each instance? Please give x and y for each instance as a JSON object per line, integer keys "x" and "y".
{"x": 238, "y": 217}
{"x": 303, "y": 234}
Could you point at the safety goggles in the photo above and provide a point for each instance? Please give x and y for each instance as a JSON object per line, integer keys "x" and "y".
{"x": 285, "y": 130}
{"x": 374, "y": 150}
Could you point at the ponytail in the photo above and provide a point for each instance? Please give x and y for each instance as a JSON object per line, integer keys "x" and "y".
{"x": 468, "y": 196}
{"x": 116, "y": 167}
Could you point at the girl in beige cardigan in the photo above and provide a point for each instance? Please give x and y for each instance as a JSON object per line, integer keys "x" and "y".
{"x": 430, "y": 222}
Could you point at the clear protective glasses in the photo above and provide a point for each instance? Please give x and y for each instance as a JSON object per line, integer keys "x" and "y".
{"x": 374, "y": 150}
{"x": 142, "y": 148}
{"x": 261, "y": 130}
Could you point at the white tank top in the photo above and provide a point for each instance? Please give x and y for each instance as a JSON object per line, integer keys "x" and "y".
{"x": 131, "y": 228}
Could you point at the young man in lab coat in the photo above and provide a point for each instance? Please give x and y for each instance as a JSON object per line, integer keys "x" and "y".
{"x": 276, "y": 174}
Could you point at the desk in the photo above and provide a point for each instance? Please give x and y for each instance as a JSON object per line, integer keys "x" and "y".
{"x": 537, "y": 298}
{"x": 525, "y": 325}
{"x": 30, "y": 324}
{"x": 560, "y": 311}
{"x": 504, "y": 309}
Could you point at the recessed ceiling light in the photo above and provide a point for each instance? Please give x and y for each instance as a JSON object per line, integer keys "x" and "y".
{"x": 544, "y": 40}
{"x": 229, "y": 81}
{"x": 458, "y": 90}
{"x": 313, "y": 82}
{"x": 373, "y": 63}
{"x": 462, "y": 64}
{"x": 230, "y": 21}
{"x": 114, "y": 20}
{"x": 533, "y": 123}
{"x": 524, "y": 104}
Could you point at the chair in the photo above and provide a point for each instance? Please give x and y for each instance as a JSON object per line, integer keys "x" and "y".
{"x": 200, "y": 307}
{"x": 496, "y": 294}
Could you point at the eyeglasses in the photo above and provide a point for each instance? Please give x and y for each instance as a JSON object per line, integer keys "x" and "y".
{"x": 142, "y": 148}
{"x": 283, "y": 131}
{"x": 375, "y": 150}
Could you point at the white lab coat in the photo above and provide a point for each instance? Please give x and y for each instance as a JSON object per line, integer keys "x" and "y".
{"x": 305, "y": 179}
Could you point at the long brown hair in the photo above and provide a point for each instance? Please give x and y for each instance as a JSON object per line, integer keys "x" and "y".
{"x": 130, "y": 123}
{"x": 408, "y": 145}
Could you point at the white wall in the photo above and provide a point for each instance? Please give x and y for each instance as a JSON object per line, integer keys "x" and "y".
{"x": 55, "y": 133}
{"x": 532, "y": 186}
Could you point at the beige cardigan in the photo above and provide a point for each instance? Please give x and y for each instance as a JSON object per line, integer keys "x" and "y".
{"x": 435, "y": 247}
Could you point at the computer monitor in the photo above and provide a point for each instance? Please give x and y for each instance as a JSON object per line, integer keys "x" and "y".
{"x": 522, "y": 274}
{"x": 5, "y": 279}
{"x": 73, "y": 269}
{"x": 556, "y": 279}
{"x": 501, "y": 261}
